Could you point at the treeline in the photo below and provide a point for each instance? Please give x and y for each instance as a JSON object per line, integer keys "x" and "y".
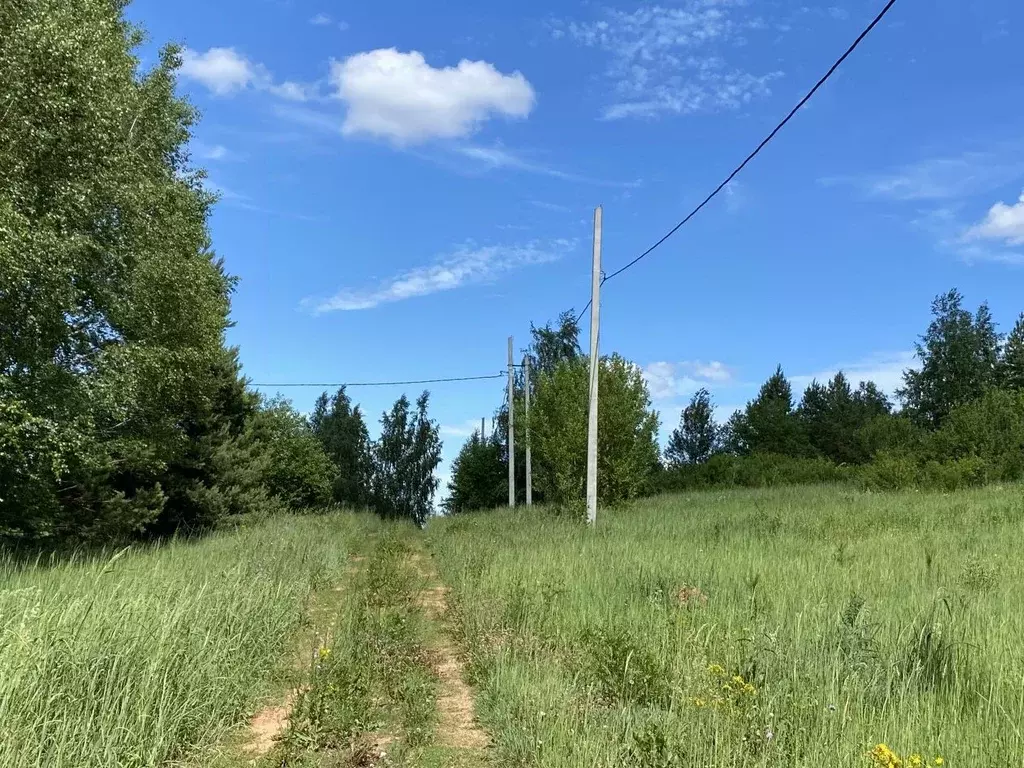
{"x": 122, "y": 411}
{"x": 958, "y": 421}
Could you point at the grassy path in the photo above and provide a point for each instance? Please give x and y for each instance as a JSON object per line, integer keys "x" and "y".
{"x": 381, "y": 681}
{"x": 460, "y": 741}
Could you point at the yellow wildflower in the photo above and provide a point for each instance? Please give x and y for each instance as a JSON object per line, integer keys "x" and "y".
{"x": 699, "y": 702}
{"x": 716, "y": 669}
{"x": 749, "y": 689}
{"x": 324, "y": 653}
{"x": 939, "y": 761}
{"x": 915, "y": 761}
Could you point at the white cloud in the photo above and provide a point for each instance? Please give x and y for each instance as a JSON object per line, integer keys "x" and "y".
{"x": 469, "y": 264}
{"x": 344, "y": 26}
{"x": 291, "y": 91}
{"x": 885, "y": 369}
{"x": 464, "y": 430}
{"x": 1003, "y": 222}
{"x": 666, "y": 381}
{"x": 935, "y": 179}
{"x": 398, "y": 96}
{"x": 211, "y": 152}
{"x": 320, "y": 20}
{"x": 222, "y": 70}
{"x": 225, "y": 71}
{"x": 668, "y": 60}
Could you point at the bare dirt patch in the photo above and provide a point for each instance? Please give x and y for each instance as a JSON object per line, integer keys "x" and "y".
{"x": 456, "y": 710}
{"x": 267, "y": 727}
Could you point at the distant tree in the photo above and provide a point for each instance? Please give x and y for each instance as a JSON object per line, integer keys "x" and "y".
{"x": 479, "y": 477}
{"x": 871, "y": 401}
{"x": 553, "y": 345}
{"x": 769, "y": 423}
{"x": 1011, "y": 369}
{"x": 959, "y": 357}
{"x": 296, "y": 469}
{"x": 341, "y": 430}
{"x": 627, "y": 449}
{"x": 405, "y": 458}
{"x": 550, "y": 346}
{"x": 696, "y": 437}
{"x": 832, "y": 416}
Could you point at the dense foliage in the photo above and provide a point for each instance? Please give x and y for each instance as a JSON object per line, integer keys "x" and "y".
{"x": 479, "y": 476}
{"x": 122, "y": 412}
{"x": 343, "y": 434}
{"x": 557, "y": 431}
{"x": 961, "y": 422}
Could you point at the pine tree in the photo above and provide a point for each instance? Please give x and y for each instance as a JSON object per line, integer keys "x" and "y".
{"x": 1011, "y": 369}
{"x": 346, "y": 440}
{"x": 769, "y": 423}
{"x": 696, "y": 437}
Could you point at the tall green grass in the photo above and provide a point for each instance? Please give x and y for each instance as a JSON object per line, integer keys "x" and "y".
{"x": 787, "y": 627}
{"x": 147, "y": 656}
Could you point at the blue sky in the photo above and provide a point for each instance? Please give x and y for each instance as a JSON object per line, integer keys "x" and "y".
{"x": 404, "y": 185}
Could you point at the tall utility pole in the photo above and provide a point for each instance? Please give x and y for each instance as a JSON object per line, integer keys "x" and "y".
{"x": 483, "y": 430}
{"x": 529, "y": 463}
{"x": 595, "y": 329}
{"x": 511, "y": 428}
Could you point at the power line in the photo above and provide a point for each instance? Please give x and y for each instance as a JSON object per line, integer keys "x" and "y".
{"x": 387, "y": 383}
{"x": 762, "y": 145}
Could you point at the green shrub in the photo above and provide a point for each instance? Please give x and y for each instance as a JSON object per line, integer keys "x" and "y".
{"x": 759, "y": 470}
{"x": 955, "y": 474}
{"x": 890, "y": 472}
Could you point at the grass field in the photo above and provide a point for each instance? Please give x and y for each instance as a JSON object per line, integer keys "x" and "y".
{"x": 794, "y": 627}
{"x": 140, "y": 658}
{"x": 790, "y": 627}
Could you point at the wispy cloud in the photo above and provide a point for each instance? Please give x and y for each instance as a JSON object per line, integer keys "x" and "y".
{"x": 467, "y": 265}
{"x": 324, "y": 20}
{"x": 667, "y": 381}
{"x": 210, "y": 151}
{"x": 947, "y": 192}
{"x": 316, "y": 119}
{"x": 950, "y": 177}
{"x": 463, "y": 430}
{"x": 234, "y": 199}
{"x": 670, "y": 59}
{"x": 885, "y": 369}
{"x": 497, "y": 157}
{"x": 546, "y": 206}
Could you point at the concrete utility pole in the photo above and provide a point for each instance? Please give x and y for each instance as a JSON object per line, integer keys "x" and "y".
{"x": 511, "y": 428}
{"x": 529, "y": 463}
{"x": 595, "y": 329}
{"x": 483, "y": 432}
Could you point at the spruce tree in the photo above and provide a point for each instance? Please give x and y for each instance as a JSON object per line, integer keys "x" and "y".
{"x": 696, "y": 437}
{"x": 769, "y": 423}
{"x": 345, "y": 438}
{"x": 1011, "y": 369}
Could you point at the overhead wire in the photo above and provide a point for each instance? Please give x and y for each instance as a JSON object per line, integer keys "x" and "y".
{"x": 387, "y": 383}
{"x": 824, "y": 78}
